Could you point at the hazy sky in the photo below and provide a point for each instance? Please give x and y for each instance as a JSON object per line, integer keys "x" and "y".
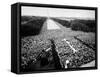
{"x": 56, "y": 12}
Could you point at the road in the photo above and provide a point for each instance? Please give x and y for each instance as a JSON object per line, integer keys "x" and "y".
{"x": 51, "y": 25}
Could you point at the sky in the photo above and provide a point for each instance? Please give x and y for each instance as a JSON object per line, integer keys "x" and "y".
{"x": 57, "y": 12}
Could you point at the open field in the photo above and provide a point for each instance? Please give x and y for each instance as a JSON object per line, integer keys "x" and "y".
{"x": 39, "y": 46}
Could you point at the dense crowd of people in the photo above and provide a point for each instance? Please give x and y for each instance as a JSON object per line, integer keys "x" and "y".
{"x": 31, "y": 25}
{"x": 82, "y": 56}
{"x": 33, "y": 49}
{"x": 36, "y": 49}
{"x": 91, "y": 42}
{"x": 78, "y": 24}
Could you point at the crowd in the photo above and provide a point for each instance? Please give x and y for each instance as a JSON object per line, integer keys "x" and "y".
{"x": 34, "y": 49}
{"x": 90, "y": 42}
{"x": 82, "y": 56}
{"x": 31, "y": 25}
{"x": 38, "y": 48}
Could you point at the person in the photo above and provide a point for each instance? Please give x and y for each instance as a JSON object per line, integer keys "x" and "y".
{"x": 66, "y": 63}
